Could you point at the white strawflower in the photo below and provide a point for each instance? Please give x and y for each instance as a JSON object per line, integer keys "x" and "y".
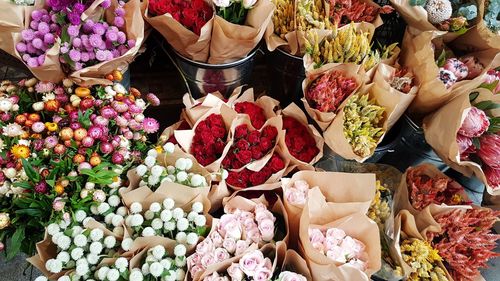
{"x": 141, "y": 170}
{"x": 200, "y": 220}
{"x": 80, "y": 240}
{"x": 103, "y": 208}
{"x": 92, "y": 259}
{"x": 93, "y": 210}
{"x": 180, "y": 274}
{"x": 108, "y": 218}
{"x": 52, "y": 229}
{"x": 63, "y": 257}
{"x": 171, "y": 178}
{"x": 145, "y": 269}
{"x": 150, "y": 161}
{"x": 197, "y": 207}
{"x": 127, "y": 243}
{"x": 118, "y": 231}
{"x": 64, "y": 224}
{"x": 89, "y": 185}
{"x": 114, "y": 200}
{"x": 75, "y": 230}
{"x": 155, "y": 207}
{"x": 122, "y": 211}
{"x": 192, "y": 238}
{"x": 135, "y": 208}
{"x": 80, "y": 215}
{"x": 170, "y": 169}
{"x": 137, "y": 220}
{"x": 181, "y": 237}
{"x": 177, "y": 213}
{"x": 166, "y": 215}
{"x": 149, "y": 215}
{"x": 96, "y": 248}
{"x": 152, "y": 152}
{"x": 196, "y": 180}
{"x": 158, "y": 252}
{"x": 113, "y": 274}
{"x": 153, "y": 180}
{"x": 168, "y": 203}
{"x": 156, "y": 170}
{"x": 117, "y": 220}
{"x": 180, "y": 250}
{"x": 55, "y": 266}
{"x": 96, "y": 234}
{"x": 192, "y": 215}
{"x": 156, "y": 269}
{"x": 64, "y": 242}
{"x": 148, "y": 232}
{"x": 180, "y": 261}
{"x": 121, "y": 263}
{"x": 150, "y": 258}
{"x": 169, "y": 226}
{"x": 110, "y": 242}
{"x": 189, "y": 163}
{"x": 56, "y": 237}
{"x": 81, "y": 261}
{"x": 64, "y": 278}
{"x": 128, "y": 220}
{"x": 41, "y": 278}
{"x": 101, "y": 273}
{"x": 181, "y": 176}
{"x": 181, "y": 164}
{"x": 172, "y": 275}
{"x": 82, "y": 269}
{"x": 169, "y": 147}
{"x": 136, "y": 275}
{"x": 182, "y": 224}
{"x": 157, "y": 224}
{"x": 77, "y": 253}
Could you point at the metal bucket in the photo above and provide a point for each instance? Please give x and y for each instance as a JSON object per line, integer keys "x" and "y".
{"x": 203, "y": 78}
{"x": 287, "y": 72}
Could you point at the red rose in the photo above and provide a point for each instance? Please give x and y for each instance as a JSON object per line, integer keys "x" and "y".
{"x": 201, "y": 127}
{"x": 207, "y": 137}
{"x": 219, "y": 132}
{"x": 216, "y": 120}
{"x": 270, "y": 132}
{"x": 266, "y": 144}
{"x": 226, "y": 162}
{"x": 254, "y": 137}
{"x": 219, "y": 146}
{"x": 276, "y": 164}
{"x": 241, "y": 131}
{"x": 244, "y": 156}
{"x": 256, "y": 152}
{"x": 255, "y": 112}
{"x": 242, "y": 144}
{"x": 257, "y": 178}
{"x": 235, "y": 164}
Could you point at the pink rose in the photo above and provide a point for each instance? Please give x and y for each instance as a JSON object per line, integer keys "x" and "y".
{"x": 266, "y": 228}
{"x": 335, "y": 253}
{"x": 249, "y": 224}
{"x": 216, "y": 239}
{"x": 196, "y": 269}
{"x": 250, "y": 262}
{"x": 254, "y": 235}
{"x": 352, "y": 247}
{"x": 489, "y": 150}
{"x": 475, "y": 124}
{"x": 206, "y": 246}
{"x": 291, "y": 276}
{"x": 296, "y": 197}
{"x": 235, "y": 272}
{"x": 229, "y": 244}
{"x": 208, "y": 259}
{"x": 316, "y": 236}
{"x": 193, "y": 260}
{"x": 268, "y": 264}
{"x": 301, "y": 185}
{"x": 244, "y": 215}
{"x": 229, "y": 226}
{"x": 259, "y": 208}
{"x": 241, "y": 247}
{"x": 261, "y": 215}
{"x": 221, "y": 254}
{"x": 335, "y": 233}
{"x": 262, "y": 274}
{"x": 331, "y": 242}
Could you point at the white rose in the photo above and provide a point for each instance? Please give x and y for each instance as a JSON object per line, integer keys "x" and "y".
{"x": 157, "y": 224}
{"x": 200, "y": 220}
{"x": 181, "y": 164}
{"x": 222, "y": 3}
{"x": 145, "y": 269}
{"x": 169, "y": 226}
{"x": 148, "y": 232}
{"x": 157, "y": 171}
{"x": 182, "y": 224}
{"x": 192, "y": 238}
{"x": 108, "y": 218}
{"x": 155, "y": 207}
{"x": 181, "y": 237}
{"x": 196, "y": 180}
{"x": 64, "y": 242}
{"x": 166, "y": 263}
{"x": 92, "y": 259}
{"x": 197, "y": 207}
{"x": 166, "y": 215}
{"x": 113, "y": 274}
{"x": 156, "y": 269}
{"x": 101, "y": 273}
{"x": 137, "y": 220}
{"x": 82, "y": 269}
{"x": 136, "y": 275}
{"x": 63, "y": 257}
{"x": 180, "y": 250}
{"x": 64, "y": 278}
{"x": 127, "y": 243}
{"x": 177, "y": 213}
{"x": 121, "y": 263}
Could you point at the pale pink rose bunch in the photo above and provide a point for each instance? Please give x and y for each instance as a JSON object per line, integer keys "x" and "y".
{"x": 297, "y": 194}
{"x": 252, "y": 266}
{"x": 340, "y": 247}
{"x": 233, "y": 235}
{"x": 291, "y": 276}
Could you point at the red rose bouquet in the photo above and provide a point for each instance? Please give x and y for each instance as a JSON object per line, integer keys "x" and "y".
{"x": 244, "y": 178}
{"x": 254, "y": 112}
{"x": 259, "y": 110}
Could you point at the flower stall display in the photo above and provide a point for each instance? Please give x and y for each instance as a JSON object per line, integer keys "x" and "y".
{"x": 469, "y": 142}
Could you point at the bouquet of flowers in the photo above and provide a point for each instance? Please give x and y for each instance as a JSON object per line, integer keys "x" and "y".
{"x": 294, "y": 268}
{"x": 470, "y": 144}
{"x": 453, "y": 70}
{"x": 234, "y": 11}
{"x": 421, "y": 255}
{"x": 492, "y": 81}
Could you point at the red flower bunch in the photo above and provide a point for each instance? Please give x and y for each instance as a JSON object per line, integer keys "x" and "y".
{"x": 192, "y": 14}
{"x": 425, "y": 190}
{"x": 209, "y": 139}
{"x": 466, "y": 242}
{"x": 299, "y": 140}
{"x": 329, "y": 90}
{"x": 345, "y": 11}
{"x": 255, "y": 112}
{"x": 249, "y": 146}
{"x": 246, "y": 178}
{"x": 183, "y": 126}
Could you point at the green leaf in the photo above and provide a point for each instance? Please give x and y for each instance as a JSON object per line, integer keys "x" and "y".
{"x": 23, "y": 184}
{"x": 16, "y": 242}
{"x": 487, "y": 105}
{"x": 490, "y": 86}
{"x": 30, "y": 172}
{"x": 473, "y": 96}
{"x": 441, "y": 59}
{"x": 476, "y": 143}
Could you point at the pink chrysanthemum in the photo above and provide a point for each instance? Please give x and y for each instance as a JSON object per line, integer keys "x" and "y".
{"x": 150, "y": 125}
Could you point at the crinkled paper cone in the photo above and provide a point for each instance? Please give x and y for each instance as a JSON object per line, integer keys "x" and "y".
{"x": 168, "y": 132}
{"x": 295, "y": 263}
{"x": 324, "y": 119}
{"x": 12, "y": 19}
{"x": 383, "y": 76}
{"x": 334, "y": 135}
{"x": 295, "y": 112}
{"x": 356, "y": 225}
{"x": 419, "y": 55}
{"x": 134, "y": 29}
{"x": 441, "y": 130}
{"x": 344, "y": 194}
{"x": 232, "y": 42}
{"x": 217, "y": 193}
{"x": 183, "y": 40}
{"x": 185, "y": 137}
{"x": 197, "y": 108}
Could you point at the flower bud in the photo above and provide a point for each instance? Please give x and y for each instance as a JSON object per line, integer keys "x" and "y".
{"x": 475, "y": 123}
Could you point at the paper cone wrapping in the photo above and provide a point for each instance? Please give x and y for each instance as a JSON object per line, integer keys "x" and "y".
{"x": 197, "y": 108}
{"x": 268, "y": 104}
{"x": 356, "y": 225}
{"x": 382, "y": 77}
{"x": 391, "y": 61}
{"x": 183, "y": 40}
{"x": 334, "y": 135}
{"x": 232, "y": 42}
{"x": 418, "y": 54}
{"x": 441, "y": 130}
{"x": 324, "y": 119}
{"x": 169, "y": 159}
{"x": 12, "y": 19}
{"x": 295, "y": 112}
{"x": 295, "y": 263}
{"x": 217, "y": 193}
{"x": 169, "y": 131}
{"x": 185, "y": 137}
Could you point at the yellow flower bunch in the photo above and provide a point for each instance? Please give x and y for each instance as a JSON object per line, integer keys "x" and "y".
{"x": 375, "y": 56}
{"x": 283, "y": 18}
{"x": 424, "y": 259}
{"x": 312, "y": 14}
{"x": 379, "y": 210}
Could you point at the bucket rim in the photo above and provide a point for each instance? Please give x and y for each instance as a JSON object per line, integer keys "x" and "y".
{"x": 289, "y": 55}
{"x": 217, "y": 66}
{"x": 411, "y": 122}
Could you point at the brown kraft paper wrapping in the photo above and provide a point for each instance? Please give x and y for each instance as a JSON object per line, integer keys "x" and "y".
{"x": 169, "y": 132}
{"x": 441, "y": 130}
{"x": 295, "y": 112}
{"x": 334, "y": 135}
{"x": 232, "y": 42}
{"x": 196, "y": 108}
{"x": 183, "y": 40}
{"x": 12, "y": 18}
{"x": 356, "y": 225}
{"x": 324, "y": 119}
{"x": 293, "y": 262}
{"x": 269, "y": 105}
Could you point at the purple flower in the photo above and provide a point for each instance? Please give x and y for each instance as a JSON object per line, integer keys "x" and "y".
{"x": 74, "y": 18}
{"x": 44, "y": 87}
{"x": 74, "y": 55}
{"x": 122, "y": 38}
{"x": 38, "y": 145}
{"x": 101, "y": 121}
{"x": 119, "y": 21}
{"x": 131, "y": 43}
{"x": 73, "y": 30}
{"x": 77, "y": 42}
{"x": 26, "y": 57}
{"x": 84, "y": 57}
{"x": 45, "y": 18}
{"x": 153, "y": 99}
{"x": 99, "y": 29}
{"x": 150, "y": 125}
{"x": 134, "y": 125}
{"x": 44, "y": 28}
{"x": 91, "y": 56}
{"x": 30, "y": 48}
{"x": 79, "y": 8}
{"x": 88, "y": 25}
{"x": 95, "y": 40}
{"x": 106, "y": 4}
{"x": 78, "y": 65}
{"x": 119, "y": 106}
{"x": 36, "y": 15}
{"x": 37, "y": 43}
{"x": 112, "y": 36}
{"x": 108, "y": 112}
{"x": 27, "y": 34}
{"x": 50, "y": 142}
{"x": 41, "y": 187}
{"x": 54, "y": 27}
{"x": 41, "y": 59}
{"x": 120, "y": 12}
{"x": 121, "y": 3}
{"x": 32, "y": 62}
{"x": 64, "y": 49}
{"x": 101, "y": 55}
{"x": 21, "y": 47}
{"x": 34, "y": 24}
{"x": 48, "y": 39}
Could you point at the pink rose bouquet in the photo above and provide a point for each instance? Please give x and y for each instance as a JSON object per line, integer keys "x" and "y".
{"x": 252, "y": 265}
{"x": 297, "y": 193}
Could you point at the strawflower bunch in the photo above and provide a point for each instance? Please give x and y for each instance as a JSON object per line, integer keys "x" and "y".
{"x": 166, "y": 221}
{"x": 192, "y": 14}
{"x": 298, "y": 140}
{"x": 283, "y": 17}
{"x": 449, "y": 15}
{"x": 297, "y": 193}
{"x": 209, "y": 139}
{"x": 425, "y": 190}
{"x": 403, "y": 80}
{"x": 247, "y": 178}
{"x": 328, "y": 91}
{"x": 153, "y": 174}
{"x": 254, "y": 112}
{"x": 491, "y": 11}
{"x": 249, "y": 145}
{"x": 363, "y": 121}
{"x": 466, "y": 241}
{"x": 339, "y": 247}
{"x": 252, "y": 265}
{"x": 380, "y": 210}
{"x": 234, "y": 11}
{"x": 64, "y": 148}
{"x": 234, "y": 233}
{"x": 452, "y": 70}
{"x": 421, "y": 256}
